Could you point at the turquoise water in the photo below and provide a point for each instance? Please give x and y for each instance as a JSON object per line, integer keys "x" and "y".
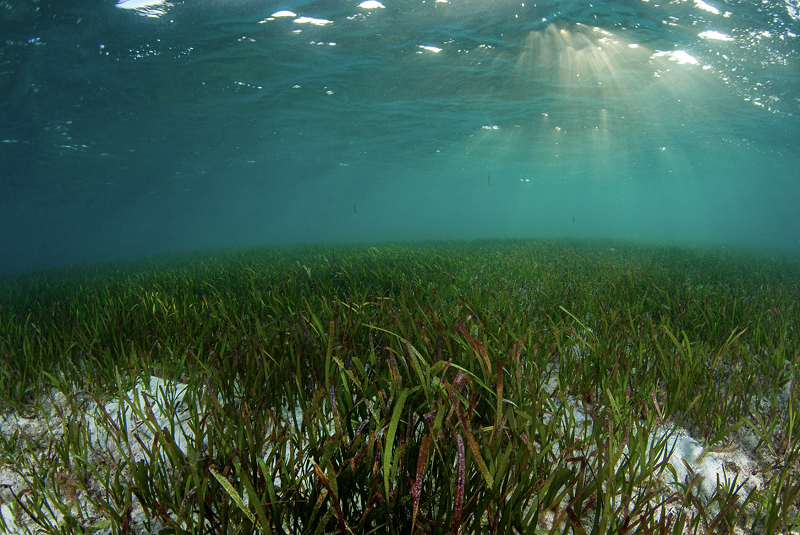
{"x": 141, "y": 128}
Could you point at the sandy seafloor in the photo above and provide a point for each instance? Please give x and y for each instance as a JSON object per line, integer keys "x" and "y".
{"x": 741, "y": 459}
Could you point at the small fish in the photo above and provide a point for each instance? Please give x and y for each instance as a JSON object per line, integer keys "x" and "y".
{"x": 573, "y": 218}
{"x": 489, "y": 178}
{"x": 354, "y": 208}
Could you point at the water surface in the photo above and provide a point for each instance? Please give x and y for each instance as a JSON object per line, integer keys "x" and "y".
{"x": 138, "y": 128}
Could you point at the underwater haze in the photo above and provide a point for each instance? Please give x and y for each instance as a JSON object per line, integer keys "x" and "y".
{"x": 145, "y": 127}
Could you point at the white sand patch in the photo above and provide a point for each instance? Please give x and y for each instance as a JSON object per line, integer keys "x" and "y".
{"x": 142, "y": 411}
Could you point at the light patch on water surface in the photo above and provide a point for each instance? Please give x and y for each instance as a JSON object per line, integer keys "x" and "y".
{"x": 145, "y": 8}
{"x": 706, "y": 7}
{"x": 679, "y": 56}
{"x": 139, "y": 4}
{"x": 717, "y": 36}
{"x": 311, "y": 20}
{"x": 793, "y": 8}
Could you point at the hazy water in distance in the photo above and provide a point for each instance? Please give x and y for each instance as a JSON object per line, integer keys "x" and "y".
{"x": 140, "y": 128}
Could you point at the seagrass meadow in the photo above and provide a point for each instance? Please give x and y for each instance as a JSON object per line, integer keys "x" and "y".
{"x": 469, "y": 387}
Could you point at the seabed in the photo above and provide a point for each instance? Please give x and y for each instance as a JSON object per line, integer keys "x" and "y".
{"x": 469, "y": 387}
